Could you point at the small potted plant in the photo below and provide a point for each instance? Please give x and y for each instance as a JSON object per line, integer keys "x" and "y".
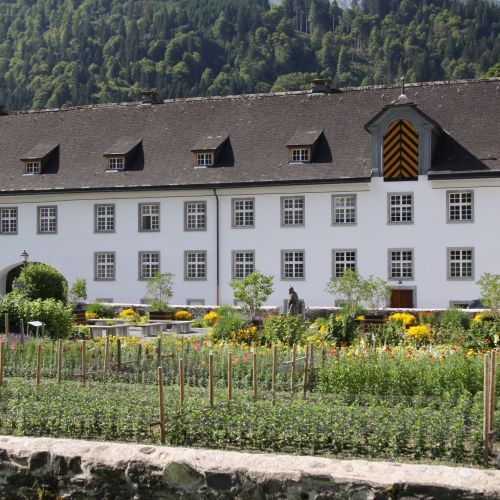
{"x": 159, "y": 290}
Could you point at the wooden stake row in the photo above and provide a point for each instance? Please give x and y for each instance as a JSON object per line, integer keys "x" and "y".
{"x": 489, "y": 402}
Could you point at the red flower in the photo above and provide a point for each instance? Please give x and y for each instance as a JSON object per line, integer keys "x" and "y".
{"x": 196, "y": 346}
{"x": 487, "y": 341}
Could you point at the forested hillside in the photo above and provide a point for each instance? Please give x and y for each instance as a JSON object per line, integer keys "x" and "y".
{"x": 62, "y": 52}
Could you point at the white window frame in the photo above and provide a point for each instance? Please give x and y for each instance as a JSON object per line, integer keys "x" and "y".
{"x": 195, "y": 216}
{"x": 400, "y": 208}
{"x": 204, "y": 159}
{"x": 32, "y": 167}
{"x": 244, "y": 214}
{"x": 458, "y": 262}
{"x": 293, "y": 211}
{"x": 293, "y": 265}
{"x": 464, "y": 208}
{"x": 116, "y": 163}
{"x": 243, "y": 263}
{"x": 8, "y": 220}
{"x": 47, "y": 219}
{"x": 300, "y": 155}
{"x": 151, "y": 212}
{"x": 149, "y": 264}
{"x": 104, "y": 266}
{"x": 398, "y": 269}
{"x": 104, "y": 218}
{"x": 344, "y": 209}
{"x": 195, "y": 265}
{"x": 340, "y": 256}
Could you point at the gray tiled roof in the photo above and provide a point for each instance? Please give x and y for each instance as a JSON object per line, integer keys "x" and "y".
{"x": 122, "y": 146}
{"x": 39, "y": 152}
{"x": 210, "y": 142}
{"x": 259, "y": 127}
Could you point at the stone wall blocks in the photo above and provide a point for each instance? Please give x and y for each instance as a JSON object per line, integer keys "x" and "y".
{"x": 182, "y": 475}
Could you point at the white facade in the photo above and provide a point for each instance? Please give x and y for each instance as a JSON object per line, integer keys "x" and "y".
{"x": 430, "y": 236}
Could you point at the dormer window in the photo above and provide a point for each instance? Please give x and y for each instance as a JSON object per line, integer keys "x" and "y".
{"x": 33, "y": 167}
{"x": 121, "y": 154}
{"x": 116, "y": 163}
{"x": 302, "y": 145}
{"x": 207, "y": 151}
{"x": 39, "y": 158}
{"x": 205, "y": 159}
{"x": 300, "y": 154}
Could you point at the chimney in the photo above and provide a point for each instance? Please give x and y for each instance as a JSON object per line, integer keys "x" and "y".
{"x": 148, "y": 97}
{"x": 322, "y": 86}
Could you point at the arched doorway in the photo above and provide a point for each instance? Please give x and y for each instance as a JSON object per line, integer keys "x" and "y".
{"x": 11, "y": 276}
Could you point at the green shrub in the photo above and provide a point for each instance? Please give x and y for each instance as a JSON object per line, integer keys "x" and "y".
{"x": 289, "y": 330}
{"x": 57, "y": 316}
{"x": 229, "y": 321}
{"x": 453, "y": 320}
{"x": 100, "y": 310}
{"x": 42, "y": 281}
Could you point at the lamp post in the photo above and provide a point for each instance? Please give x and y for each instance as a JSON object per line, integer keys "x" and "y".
{"x": 24, "y": 258}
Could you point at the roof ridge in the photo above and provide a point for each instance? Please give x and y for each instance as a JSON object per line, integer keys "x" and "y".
{"x": 251, "y": 96}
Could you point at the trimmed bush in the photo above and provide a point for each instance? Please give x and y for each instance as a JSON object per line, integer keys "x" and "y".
{"x": 286, "y": 329}
{"x": 42, "y": 281}
{"x": 100, "y": 310}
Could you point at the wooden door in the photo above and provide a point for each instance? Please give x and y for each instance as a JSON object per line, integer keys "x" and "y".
{"x": 401, "y": 298}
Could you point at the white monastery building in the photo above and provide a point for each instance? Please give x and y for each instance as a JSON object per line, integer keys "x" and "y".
{"x": 301, "y": 185}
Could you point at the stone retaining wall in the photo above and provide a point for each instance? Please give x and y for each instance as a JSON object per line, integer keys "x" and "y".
{"x": 63, "y": 468}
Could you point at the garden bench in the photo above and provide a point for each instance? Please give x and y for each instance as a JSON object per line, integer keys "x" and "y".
{"x": 179, "y": 326}
{"x": 105, "y": 330}
{"x": 146, "y": 329}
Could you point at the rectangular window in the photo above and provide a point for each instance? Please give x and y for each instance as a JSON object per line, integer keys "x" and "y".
{"x": 104, "y": 218}
{"x": 116, "y": 163}
{"x": 104, "y": 266}
{"x": 300, "y": 154}
{"x": 244, "y": 212}
{"x": 149, "y": 217}
{"x": 460, "y": 206}
{"x": 292, "y": 264}
{"x": 342, "y": 260}
{"x": 344, "y": 209}
{"x": 401, "y": 264}
{"x": 195, "y": 265}
{"x": 460, "y": 263}
{"x": 33, "y": 167}
{"x": 195, "y": 215}
{"x": 195, "y": 302}
{"x": 47, "y": 219}
{"x": 8, "y": 220}
{"x": 243, "y": 263}
{"x": 400, "y": 210}
{"x": 204, "y": 159}
{"x": 149, "y": 265}
{"x": 292, "y": 211}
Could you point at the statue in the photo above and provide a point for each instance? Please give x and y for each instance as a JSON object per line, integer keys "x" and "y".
{"x": 293, "y": 302}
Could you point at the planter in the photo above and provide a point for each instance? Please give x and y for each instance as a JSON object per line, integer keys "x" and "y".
{"x": 79, "y": 316}
{"x": 160, "y": 315}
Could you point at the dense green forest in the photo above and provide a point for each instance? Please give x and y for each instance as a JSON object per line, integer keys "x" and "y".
{"x": 68, "y": 52}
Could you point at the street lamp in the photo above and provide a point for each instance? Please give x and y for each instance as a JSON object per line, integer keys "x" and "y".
{"x": 24, "y": 258}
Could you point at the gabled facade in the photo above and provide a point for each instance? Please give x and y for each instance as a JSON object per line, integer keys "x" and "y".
{"x": 299, "y": 185}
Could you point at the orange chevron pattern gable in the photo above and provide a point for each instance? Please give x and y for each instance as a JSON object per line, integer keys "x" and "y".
{"x": 400, "y": 151}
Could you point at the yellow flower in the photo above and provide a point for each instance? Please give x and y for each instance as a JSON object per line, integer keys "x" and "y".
{"x": 211, "y": 317}
{"x": 129, "y": 314}
{"x": 420, "y": 332}
{"x": 90, "y": 315}
{"x": 183, "y": 315}
{"x": 405, "y": 318}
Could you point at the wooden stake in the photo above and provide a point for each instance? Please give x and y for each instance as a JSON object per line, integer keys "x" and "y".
{"x": 160, "y": 405}
{"x": 486, "y": 414}
{"x": 59, "y": 360}
{"x": 84, "y": 362}
{"x": 158, "y": 352}
{"x": 306, "y": 369}
{"x": 493, "y": 386}
{"x": 106, "y": 357}
{"x": 6, "y": 324}
{"x": 38, "y": 363}
{"x": 294, "y": 366}
{"x": 273, "y": 374}
{"x": 21, "y": 324}
{"x": 323, "y": 352}
{"x": 139, "y": 356}
{"x": 211, "y": 378}
{"x": 254, "y": 374}
{"x": 229, "y": 376}
{"x": 119, "y": 353}
{"x": 2, "y": 360}
{"x": 181, "y": 383}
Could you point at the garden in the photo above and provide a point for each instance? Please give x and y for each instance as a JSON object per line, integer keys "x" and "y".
{"x": 408, "y": 387}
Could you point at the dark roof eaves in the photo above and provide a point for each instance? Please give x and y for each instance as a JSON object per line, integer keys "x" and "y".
{"x": 185, "y": 187}
{"x": 464, "y": 175}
